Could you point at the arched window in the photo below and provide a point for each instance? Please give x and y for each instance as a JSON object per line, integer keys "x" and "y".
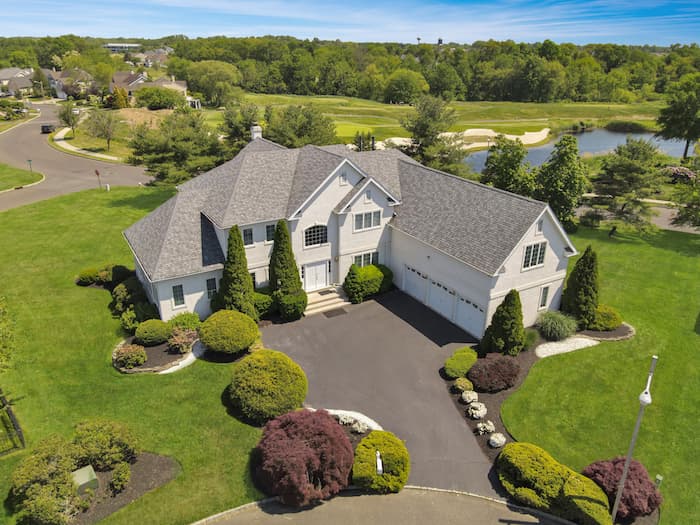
{"x": 316, "y": 235}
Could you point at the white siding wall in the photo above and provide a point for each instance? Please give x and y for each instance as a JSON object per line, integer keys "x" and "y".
{"x": 257, "y": 254}
{"x": 151, "y": 292}
{"x": 195, "y": 290}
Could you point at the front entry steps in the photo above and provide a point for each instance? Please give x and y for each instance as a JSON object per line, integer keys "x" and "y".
{"x": 324, "y": 300}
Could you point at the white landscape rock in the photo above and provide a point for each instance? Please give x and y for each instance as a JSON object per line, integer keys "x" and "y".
{"x": 486, "y": 427}
{"x": 477, "y": 410}
{"x": 567, "y": 345}
{"x": 497, "y": 440}
{"x": 469, "y": 396}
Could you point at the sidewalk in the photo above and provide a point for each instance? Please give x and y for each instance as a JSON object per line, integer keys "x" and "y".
{"x": 59, "y": 141}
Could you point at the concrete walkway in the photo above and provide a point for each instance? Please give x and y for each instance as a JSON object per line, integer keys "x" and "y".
{"x": 59, "y": 141}
{"x": 412, "y": 506}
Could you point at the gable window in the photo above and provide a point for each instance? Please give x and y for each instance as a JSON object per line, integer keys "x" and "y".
{"x": 367, "y": 220}
{"x": 316, "y": 235}
{"x": 540, "y": 224}
{"x": 368, "y": 195}
{"x": 211, "y": 287}
{"x": 270, "y": 233}
{"x": 343, "y": 179}
{"x": 248, "y": 236}
{"x": 534, "y": 255}
{"x": 178, "y": 295}
{"x": 365, "y": 259}
{"x": 544, "y": 293}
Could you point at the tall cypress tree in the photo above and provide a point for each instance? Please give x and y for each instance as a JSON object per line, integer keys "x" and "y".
{"x": 236, "y": 285}
{"x": 506, "y": 333}
{"x": 580, "y": 298}
{"x": 284, "y": 272}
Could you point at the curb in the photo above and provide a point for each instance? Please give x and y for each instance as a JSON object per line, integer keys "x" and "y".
{"x": 22, "y": 123}
{"x": 43, "y": 178}
{"x": 57, "y": 138}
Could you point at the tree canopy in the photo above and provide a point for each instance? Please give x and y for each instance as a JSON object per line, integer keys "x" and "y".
{"x": 505, "y": 168}
{"x": 297, "y": 126}
{"x": 680, "y": 119}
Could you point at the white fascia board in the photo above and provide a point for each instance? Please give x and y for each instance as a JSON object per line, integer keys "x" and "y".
{"x": 318, "y": 188}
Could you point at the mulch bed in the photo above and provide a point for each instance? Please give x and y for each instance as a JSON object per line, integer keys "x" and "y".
{"x": 624, "y": 331}
{"x": 149, "y": 472}
{"x": 158, "y": 357}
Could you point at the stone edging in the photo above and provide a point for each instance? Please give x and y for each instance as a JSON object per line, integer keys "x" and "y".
{"x": 154, "y": 369}
{"x": 371, "y": 423}
{"x": 632, "y": 332}
{"x": 42, "y": 179}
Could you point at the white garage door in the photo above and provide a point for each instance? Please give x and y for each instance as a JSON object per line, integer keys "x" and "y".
{"x": 415, "y": 283}
{"x": 470, "y": 317}
{"x": 441, "y": 299}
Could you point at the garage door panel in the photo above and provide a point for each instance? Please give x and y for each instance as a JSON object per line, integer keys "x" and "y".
{"x": 415, "y": 283}
{"x": 441, "y": 299}
{"x": 470, "y": 316}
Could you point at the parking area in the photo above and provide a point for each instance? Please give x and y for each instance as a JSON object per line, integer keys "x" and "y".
{"x": 383, "y": 358}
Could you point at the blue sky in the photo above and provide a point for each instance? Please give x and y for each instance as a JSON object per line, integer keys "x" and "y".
{"x": 464, "y": 21}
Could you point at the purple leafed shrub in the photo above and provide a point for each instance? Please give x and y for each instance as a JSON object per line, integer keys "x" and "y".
{"x": 303, "y": 457}
{"x": 640, "y": 497}
{"x": 494, "y": 373}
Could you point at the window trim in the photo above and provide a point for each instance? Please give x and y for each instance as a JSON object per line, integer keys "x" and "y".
{"x": 324, "y": 243}
{"x": 210, "y": 291}
{"x": 362, "y": 214}
{"x": 252, "y": 237}
{"x": 177, "y": 306}
{"x": 362, "y": 255}
{"x": 274, "y": 227}
{"x": 539, "y": 227}
{"x": 529, "y": 255}
{"x": 544, "y": 297}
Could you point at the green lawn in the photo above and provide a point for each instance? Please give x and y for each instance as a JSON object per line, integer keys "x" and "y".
{"x": 582, "y": 406}
{"x": 118, "y": 147}
{"x": 62, "y": 373}
{"x": 12, "y": 177}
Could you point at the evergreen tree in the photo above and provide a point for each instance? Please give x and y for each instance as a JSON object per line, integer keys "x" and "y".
{"x": 236, "y": 286}
{"x": 506, "y": 333}
{"x": 580, "y": 298}
{"x": 284, "y": 272}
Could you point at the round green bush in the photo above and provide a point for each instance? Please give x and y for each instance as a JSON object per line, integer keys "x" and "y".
{"x": 121, "y": 475}
{"x": 267, "y": 384}
{"x": 186, "y": 321}
{"x": 291, "y": 306}
{"x": 130, "y": 356}
{"x": 396, "y": 462}
{"x": 462, "y": 384}
{"x": 87, "y": 276}
{"x": 606, "y": 319}
{"x": 264, "y": 304}
{"x": 104, "y": 444}
{"x": 152, "y": 332}
{"x": 555, "y": 326}
{"x": 228, "y": 331}
{"x": 128, "y": 320}
{"x": 459, "y": 363}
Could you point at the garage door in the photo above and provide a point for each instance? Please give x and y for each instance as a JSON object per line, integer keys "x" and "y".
{"x": 470, "y": 317}
{"x": 441, "y": 299}
{"x": 415, "y": 283}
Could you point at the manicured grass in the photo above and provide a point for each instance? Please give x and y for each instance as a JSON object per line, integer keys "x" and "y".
{"x": 582, "y": 406}
{"x": 118, "y": 147}
{"x": 62, "y": 373}
{"x": 12, "y": 177}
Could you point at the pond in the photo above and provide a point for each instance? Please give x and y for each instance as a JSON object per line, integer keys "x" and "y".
{"x": 596, "y": 142}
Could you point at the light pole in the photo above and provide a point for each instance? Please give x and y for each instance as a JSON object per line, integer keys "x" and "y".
{"x": 644, "y": 401}
{"x": 30, "y": 165}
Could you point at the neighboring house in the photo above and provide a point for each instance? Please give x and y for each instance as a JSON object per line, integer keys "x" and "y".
{"x": 20, "y": 86}
{"x": 121, "y": 47}
{"x": 15, "y": 80}
{"x": 156, "y": 57}
{"x": 71, "y": 82}
{"x": 456, "y": 245}
{"x": 168, "y": 83}
{"x": 128, "y": 80}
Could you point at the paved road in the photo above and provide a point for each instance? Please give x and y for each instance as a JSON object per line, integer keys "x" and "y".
{"x": 409, "y": 507}
{"x": 382, "y": 358}
{"x": 64, "y": 173}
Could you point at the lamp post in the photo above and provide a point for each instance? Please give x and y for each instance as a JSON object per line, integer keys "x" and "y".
{"x": 30, "y": 165}
{"x": 644, "y": 401}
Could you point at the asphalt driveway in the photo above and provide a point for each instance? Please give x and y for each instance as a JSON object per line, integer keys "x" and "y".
{"x": 382, "y": 358}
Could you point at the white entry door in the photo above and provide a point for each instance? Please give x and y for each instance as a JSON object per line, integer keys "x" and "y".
{"x": 315, "y": 276}
{"x": 441, "y": 299}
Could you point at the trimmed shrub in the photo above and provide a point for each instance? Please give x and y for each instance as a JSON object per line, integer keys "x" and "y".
{"x": 128, "y": 320}
{"x": 640, "y": 496}
{"x": 130, "y": 356}
{"x": 396, "y": 462}
{"x": 303, "y": 457}
{"x": 387, "y": 280}
{"x": 535, "y": 479}
{"x": 506, "y": 333}
{"x": 462, "y": 384}
{"x": 181, "y": 340}
{"x": 128, "y": 292}
{"x": 104, "y": 444}
{"x": 366, "y": 281}
{"x": 580, "y": 297}
{"x": 185, "y": 321}
{"x": 459, "y": 363}
{"x": 152, "y": 332}
{"x": 353, "y": 286}
{"x": 267, "y": 384}
{"x": 284, "y": 272}
{"x": 236, "y": 286}
{"x": 145, "y": 311}
{"x": 292, "y": 306}
{"x": 494, "y": 373}
{"x": 120, "y": 274}
{"x": 264, "y": 304}
{"x": 121, "y": 475}
{"x": 606, "y": 319}
{"x": 87, "y": 276}
{"x": 228, "y": 331}
{"x": 555, "y": 326}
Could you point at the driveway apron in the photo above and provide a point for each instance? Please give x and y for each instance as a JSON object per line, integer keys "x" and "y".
{"x": 383, "y": 358}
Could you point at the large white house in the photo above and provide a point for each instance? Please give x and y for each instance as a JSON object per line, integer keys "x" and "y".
{"x": 453, "y": 244}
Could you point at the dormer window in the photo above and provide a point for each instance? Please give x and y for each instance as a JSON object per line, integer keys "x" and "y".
{"x": 316, "y": 235}
{"x": 343, "y": 179}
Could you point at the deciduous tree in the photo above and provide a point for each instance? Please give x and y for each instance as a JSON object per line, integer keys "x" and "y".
{"x": 69, "y": 115}
{"x": 680, "y": 119}
{"x": 297, "y": 126}
{"x": 505, "y": 168}
{"x": 102, "y": 124}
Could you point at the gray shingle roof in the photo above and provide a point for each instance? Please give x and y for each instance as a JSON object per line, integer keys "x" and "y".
{"x": 477, "y": 224}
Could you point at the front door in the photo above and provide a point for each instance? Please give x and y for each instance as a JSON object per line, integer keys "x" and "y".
{"x": 315, "y": 276}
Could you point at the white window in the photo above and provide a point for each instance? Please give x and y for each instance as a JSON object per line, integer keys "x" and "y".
{"x": 534, "y": 255}
{"x": 211, "y": 287}
{"x": 270, "y": 232}
{"x": 367, "y": 220}
{"x": 178, "y": 295}
{"x": 316, "y": 235}
{"x": 544, "y": 293}
{"x": 368, "y": 196}
{"x": 248, "y": 236}
{"x": 365, "y": 259}
{"x": 343, "y": 179}
{"x": 540, "y": 225}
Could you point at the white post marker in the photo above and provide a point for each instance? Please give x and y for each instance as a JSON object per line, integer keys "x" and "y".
{"x": 644, "y": 401}
{"x": 380, "y": 465}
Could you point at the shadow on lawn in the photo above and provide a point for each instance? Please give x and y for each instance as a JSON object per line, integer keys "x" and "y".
{"x": 697, "y": 324}
{"x": 145, "y": 201}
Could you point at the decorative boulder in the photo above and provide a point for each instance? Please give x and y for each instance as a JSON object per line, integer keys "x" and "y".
{"x": 487, "y": 427}
{"x": 497, "y": 440}
{"x": 469, "y": 396}
{"x": 359, "y": 427}
{"x": 84, "y": 479}
{"x": 476, "y": 410}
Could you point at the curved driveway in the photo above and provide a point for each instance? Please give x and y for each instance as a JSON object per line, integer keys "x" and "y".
{"x": 64, "y": 173}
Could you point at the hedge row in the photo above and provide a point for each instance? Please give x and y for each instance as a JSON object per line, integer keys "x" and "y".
{"x": 366, "y": 281}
